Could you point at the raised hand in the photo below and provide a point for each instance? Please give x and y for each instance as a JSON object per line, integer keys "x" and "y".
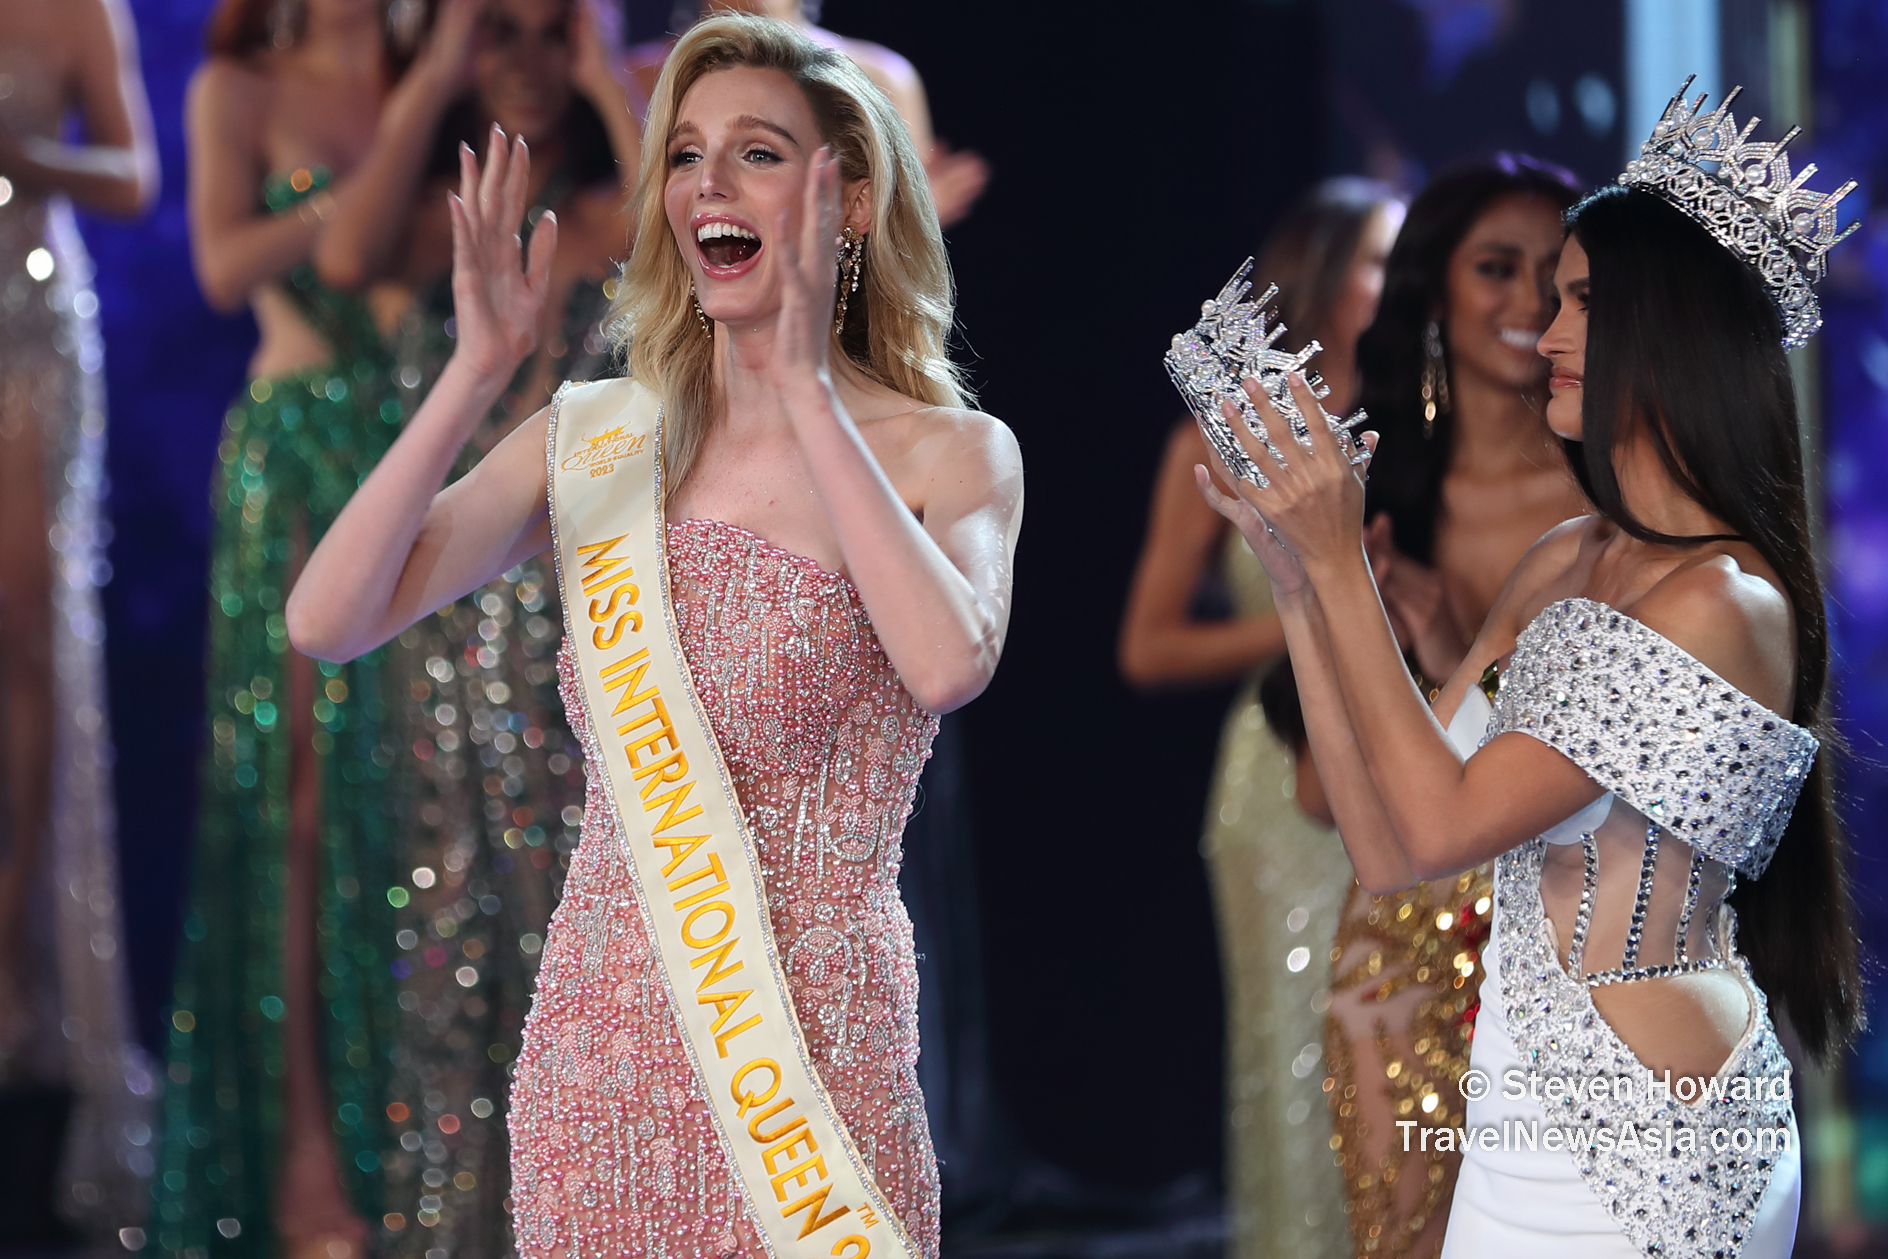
{"x": 497, "y": 295}
{"x": 597, "y": 35}
{"x": 447, "y": 54}
{"x": 809, "y": 266}
{"x": 1315, "y": 497}
{"x": 1417, "y": 603}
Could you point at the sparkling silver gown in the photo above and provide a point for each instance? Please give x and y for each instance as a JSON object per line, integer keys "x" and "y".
{"x": 1700, "y": 780}
{"x": 73, "y": 1026}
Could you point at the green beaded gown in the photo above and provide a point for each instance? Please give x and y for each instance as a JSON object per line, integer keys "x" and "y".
{"x": 453, "y": 793}
{"x": 292, "y": 453}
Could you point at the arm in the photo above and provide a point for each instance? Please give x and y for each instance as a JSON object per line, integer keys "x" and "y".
{"x": 402, "y": 547}
{"x": 235, "y": 247}
{"x": 1159, "y": 642}
{"x": 1444, "y": 814}
{"x": 957, "y": 178}
{"x": 1376, "y": 854}
{"x": 603, "y": 76}
{"x": 371, "y": 207}
{"x": 938, "y": 592}
{"x": 116, "y": 171}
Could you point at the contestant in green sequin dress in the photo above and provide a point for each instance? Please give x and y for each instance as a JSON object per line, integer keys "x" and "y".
{"x": 293, "y": 450}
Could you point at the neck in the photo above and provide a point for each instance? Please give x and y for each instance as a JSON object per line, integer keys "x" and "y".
{"x": 745, "y": 379}
{"x": 350, "y": 42}
{"x": 1499, "y": 430}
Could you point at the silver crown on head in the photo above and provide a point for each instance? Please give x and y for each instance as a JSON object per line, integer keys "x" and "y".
{"x": 1744, "y": 195}
{"x": 1233, "y": 340}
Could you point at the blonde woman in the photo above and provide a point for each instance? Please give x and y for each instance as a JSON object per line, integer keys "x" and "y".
{"x": 791, "y": 546}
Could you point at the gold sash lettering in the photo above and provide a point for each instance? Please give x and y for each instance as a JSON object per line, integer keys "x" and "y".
{"x": 687, "y": 845}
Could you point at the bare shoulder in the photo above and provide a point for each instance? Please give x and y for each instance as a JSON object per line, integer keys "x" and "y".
{"x": 1736, "y": 622}
{"x": 228, "y": 87}
{"x": 946, "y": 438}
{"x": 1549, "y": 569}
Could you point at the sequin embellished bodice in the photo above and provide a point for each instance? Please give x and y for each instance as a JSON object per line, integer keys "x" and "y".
{"x": 1702, "y": 779}
{"x": 613, "y": 1149}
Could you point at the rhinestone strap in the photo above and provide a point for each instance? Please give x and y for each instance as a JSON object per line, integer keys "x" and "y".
{"x": 1589, "y": 885}
{"x": 1692, "y": 884}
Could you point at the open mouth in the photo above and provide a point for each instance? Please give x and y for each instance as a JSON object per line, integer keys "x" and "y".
{"x": 724, "y": 245}
{"x": 1524, "y": 339}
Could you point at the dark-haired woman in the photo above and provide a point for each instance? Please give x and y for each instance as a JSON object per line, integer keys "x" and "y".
{"x": 283, "y": 1032}
{"x": 1279, "y": 881}
{"x": 487, "y": 787}
{"x": 66, "y": 1039}
{"x": 1660, "y": 711}
{"x": 1471, "y": 476}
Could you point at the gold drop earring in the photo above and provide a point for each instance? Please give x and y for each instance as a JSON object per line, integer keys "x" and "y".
{"x": 851, "y": 266}
{"x": 701, "y": 316}
{"x": 1435, "y": 378}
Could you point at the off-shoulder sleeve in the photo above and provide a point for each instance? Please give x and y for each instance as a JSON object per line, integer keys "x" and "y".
{"x": 1650, "y": 723}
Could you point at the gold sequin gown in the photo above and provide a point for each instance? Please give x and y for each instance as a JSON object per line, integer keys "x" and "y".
{"x": 1406, "y": 976}
{"x": 1279, "y": 882}
{"x": 72, "y": 1026}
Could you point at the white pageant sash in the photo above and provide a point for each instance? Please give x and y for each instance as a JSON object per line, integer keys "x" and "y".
{"x": 693, "y": 860}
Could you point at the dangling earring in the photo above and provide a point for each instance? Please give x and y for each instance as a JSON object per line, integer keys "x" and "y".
{"x": 851, "y": 266}
{"x": 404, "y": 20}
{"x": 701, "y": 316}
{"x": 1435, "y": 378}
{"x": 284, "y": 22}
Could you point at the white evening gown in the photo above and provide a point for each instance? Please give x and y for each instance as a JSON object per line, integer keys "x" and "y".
{"x": 1672, "y": 742}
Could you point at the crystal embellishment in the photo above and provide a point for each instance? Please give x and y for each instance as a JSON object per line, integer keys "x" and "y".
{"x": 1648, "y": 722}
{"x": 1744, "y": 195}
{"x": 1234, "y": 339}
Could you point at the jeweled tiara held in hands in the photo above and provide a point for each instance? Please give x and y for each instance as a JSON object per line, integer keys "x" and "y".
{"x": 1743, "y": 194}
{"x": 1231, "y": 342}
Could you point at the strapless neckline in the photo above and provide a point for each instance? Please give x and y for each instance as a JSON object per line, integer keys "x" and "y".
{"x": 708, "y": 524}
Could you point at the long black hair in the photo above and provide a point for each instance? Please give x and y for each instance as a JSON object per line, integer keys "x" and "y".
{"x": 1684, "y": 344}
{"x": 1406, "y": 480}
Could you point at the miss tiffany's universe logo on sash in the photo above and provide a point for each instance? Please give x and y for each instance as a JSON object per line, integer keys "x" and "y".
{"x": 600, "y": 453}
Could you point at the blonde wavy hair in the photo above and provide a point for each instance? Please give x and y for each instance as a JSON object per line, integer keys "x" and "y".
{"x": 898, "y": 322}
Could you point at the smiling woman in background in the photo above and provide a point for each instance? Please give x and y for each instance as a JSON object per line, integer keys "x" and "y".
{"x": 1469, "y": 476}
{"x": 64, "y": 1021}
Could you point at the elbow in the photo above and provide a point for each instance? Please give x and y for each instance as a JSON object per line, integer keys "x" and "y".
{"x": 341, "y": 267}
{"x": 1431, "y": 858}
{"x": 947, "y": 685}
{"x": 315, "y": 635}
{"x": 1139, "y": 666}
{"x": 220, "y": 291}
{"x": 129, "y": 198}
{"x": 945, "y": 692}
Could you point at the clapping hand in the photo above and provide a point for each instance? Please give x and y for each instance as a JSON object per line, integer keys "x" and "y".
{"x": 497, "y": 294}
{"x": 809, "y": 251}
{"x": 1417, "y": 603}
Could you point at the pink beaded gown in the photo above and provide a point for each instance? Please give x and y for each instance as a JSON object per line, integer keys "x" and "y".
{"x": 613, "y": 1150}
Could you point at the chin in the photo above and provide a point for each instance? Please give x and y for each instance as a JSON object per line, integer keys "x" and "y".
{"x": 1563, "y": 417}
